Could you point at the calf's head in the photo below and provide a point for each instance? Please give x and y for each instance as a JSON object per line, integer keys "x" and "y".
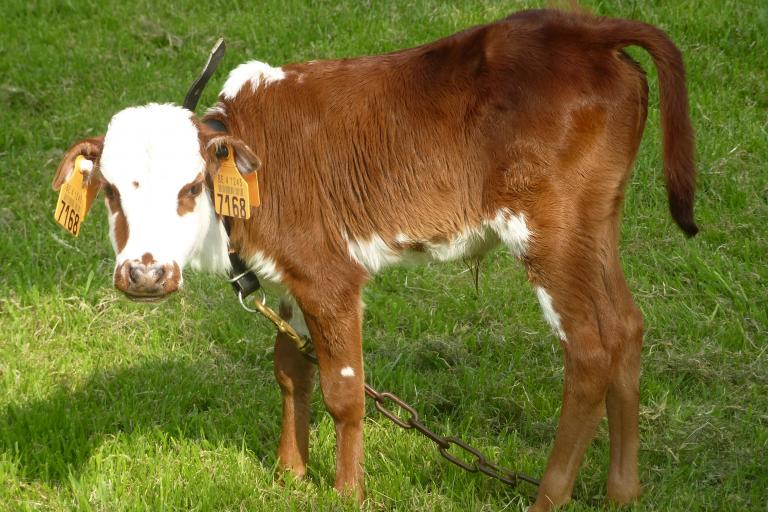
{"x": 155, "y": 165}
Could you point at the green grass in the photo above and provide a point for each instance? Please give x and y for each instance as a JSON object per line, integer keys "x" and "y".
{"x": 109, "y": 405}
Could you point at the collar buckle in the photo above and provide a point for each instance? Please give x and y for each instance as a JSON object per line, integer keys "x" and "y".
{"x": 243, "y": 279}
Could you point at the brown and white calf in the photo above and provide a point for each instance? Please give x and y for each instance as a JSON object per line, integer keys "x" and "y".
{"x": 521, "y": 132}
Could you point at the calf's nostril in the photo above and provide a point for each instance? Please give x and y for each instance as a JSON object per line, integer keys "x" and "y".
{"x": 134, "y": 274}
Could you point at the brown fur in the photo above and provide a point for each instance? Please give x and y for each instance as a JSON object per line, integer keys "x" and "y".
{"x": 296, "y": 380}
{"x": 89, "y": 148}
{"x": 115, "y": 207}
{"x": 187, "y": 197}
{"x": 541, "y": 113}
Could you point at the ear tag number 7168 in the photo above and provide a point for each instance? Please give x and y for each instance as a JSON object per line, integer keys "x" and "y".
{"x": 75, "y": 198}
{"x": 232, "y": 195}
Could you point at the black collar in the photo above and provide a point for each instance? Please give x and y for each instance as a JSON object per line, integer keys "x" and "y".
{"x": 243, "y": 279}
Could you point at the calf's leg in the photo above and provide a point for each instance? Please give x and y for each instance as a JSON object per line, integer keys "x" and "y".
{"x": 337, "y": 337}
{"x": 575, "y": 302}
{"x": 623, "y": 398}
{"x": 295, "y": 375}
{"x": 584, "y": 388}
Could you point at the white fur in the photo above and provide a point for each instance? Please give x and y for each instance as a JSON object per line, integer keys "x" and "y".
{"x": 256, "y": 72}
{"x": 111, "y": 219}
{"x": 511, "y": 230}
{"x": 86, "y": 165}
{"x": 375, "y": 253}
{"x": 550, "y": 315}
{"x": 347, "y": 371}
{"x": 467, "y": 243}
{"x": 213, "y": 253}
{"x": 158, "y": 147}
{"x": 372, "y": 254}
{"x": 265, "y": 268}
{"x": 402, "y": 238}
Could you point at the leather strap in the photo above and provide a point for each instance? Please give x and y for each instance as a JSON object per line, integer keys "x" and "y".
{"x": 244, "y": 281}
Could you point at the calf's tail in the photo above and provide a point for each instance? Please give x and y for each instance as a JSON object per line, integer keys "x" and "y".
{"x": 679, "y": 167}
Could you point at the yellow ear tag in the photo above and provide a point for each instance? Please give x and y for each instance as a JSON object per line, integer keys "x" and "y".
{"x": 75, "y": 199}
{"x": 232, "y": 195}
{"x": 253, "y": 189}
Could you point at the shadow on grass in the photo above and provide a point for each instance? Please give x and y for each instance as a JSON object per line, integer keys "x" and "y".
{"x": 54, "y": 437}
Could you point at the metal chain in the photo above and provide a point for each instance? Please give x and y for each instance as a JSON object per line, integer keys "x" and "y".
{"x": 475, "y": 460}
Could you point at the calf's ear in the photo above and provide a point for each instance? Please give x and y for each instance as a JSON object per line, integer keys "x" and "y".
{"x": 217, "y": 150}
{"x": 89, "y": 148}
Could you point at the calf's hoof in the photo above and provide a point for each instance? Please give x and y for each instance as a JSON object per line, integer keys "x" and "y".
{"x": 296, "y": 470}
{"x": 350, "y": 491}
{"x": 622, "y": 493}
{"x": 545, "y": 503}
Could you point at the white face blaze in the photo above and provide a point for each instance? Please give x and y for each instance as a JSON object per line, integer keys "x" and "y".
{"x": 150, "y": 154}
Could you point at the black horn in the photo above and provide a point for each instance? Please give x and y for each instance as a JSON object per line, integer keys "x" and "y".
{"x": 193, "y": 95}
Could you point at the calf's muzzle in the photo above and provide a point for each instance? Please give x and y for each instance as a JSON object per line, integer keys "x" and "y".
{"x": 146, "y": 280}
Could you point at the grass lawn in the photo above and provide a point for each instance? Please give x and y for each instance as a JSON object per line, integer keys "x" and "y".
{"x": 110, "y": 405}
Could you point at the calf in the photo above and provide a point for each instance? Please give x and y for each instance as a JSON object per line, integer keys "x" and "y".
{"x": 521, "y": 132}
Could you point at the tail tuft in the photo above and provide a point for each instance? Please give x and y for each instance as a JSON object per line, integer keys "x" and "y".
{"x": 682, "y": 212}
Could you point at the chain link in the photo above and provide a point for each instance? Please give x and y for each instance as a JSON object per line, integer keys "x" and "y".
{"x": 475, "y": 460}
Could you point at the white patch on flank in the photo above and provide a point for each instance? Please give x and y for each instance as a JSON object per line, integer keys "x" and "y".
{"x": 511, "y": 230}
{"x": 256, "y": 72}
{"x": 465, "y": 244}
{"x": 550, "y": 315}
{"x": 375, "y": 253}
{"x": 347, "y": 371}
{"x": 265, "y": 267}
{"x": 402, "y": 238}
